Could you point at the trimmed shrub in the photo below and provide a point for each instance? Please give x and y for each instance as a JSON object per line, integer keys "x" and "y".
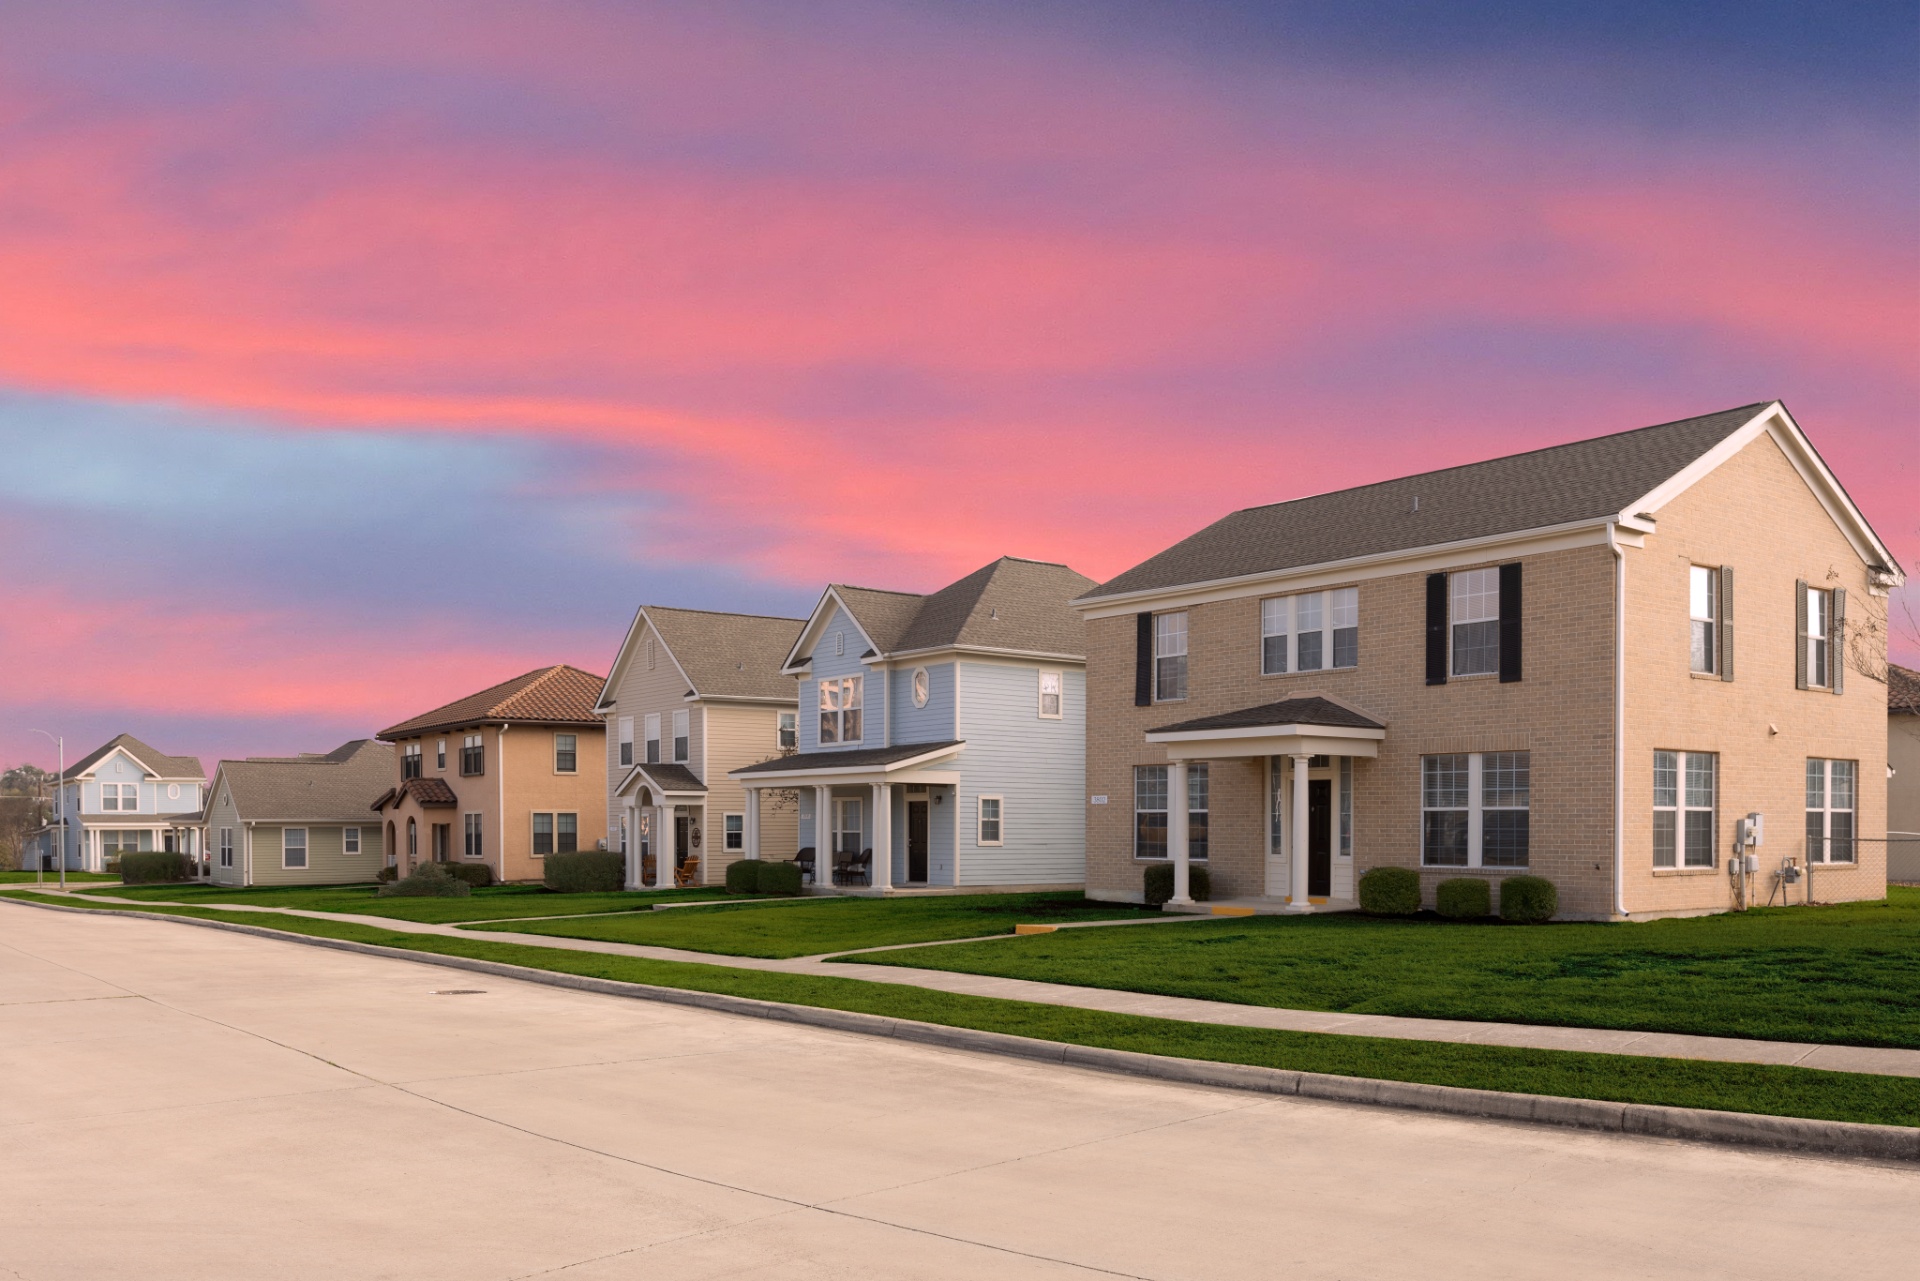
{"x": 586, "y": 872}
{"x": 1528, "y": 899}
{"x": 155, "y": 868}
{"x": 386, "y": 874}
{"x": 1464, "y": 897}
{"x": 774, "y": 877}
{"x": 743, "y": 877}
{"x": 429, "y": 880}
{"x": 1159, "y": 883}
{"x": 1390, "y": 891}
{"x": 477, "y": 875}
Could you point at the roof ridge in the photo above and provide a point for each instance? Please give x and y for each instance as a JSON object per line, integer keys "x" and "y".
{"x": 1501, "y": 458}
{"x": 728, "y": 613}
{"x": 882, "y": 591}
{"x": 540, "y": 677}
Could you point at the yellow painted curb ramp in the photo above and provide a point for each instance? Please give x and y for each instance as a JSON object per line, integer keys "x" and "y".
{"x": 1035, "y": 929}
{"x": 1232, "y": 911}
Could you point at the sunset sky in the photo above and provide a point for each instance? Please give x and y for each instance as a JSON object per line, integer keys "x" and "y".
{"x": 355, "y": 355}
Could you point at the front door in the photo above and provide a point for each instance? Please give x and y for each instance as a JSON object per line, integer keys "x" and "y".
{"x": 1319, "y": 837}
{"x": 917, "y": 841}
{"x": 682, "y": 840}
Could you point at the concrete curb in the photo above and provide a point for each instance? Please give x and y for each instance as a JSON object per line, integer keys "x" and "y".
{"x": 1828, "y": 1138}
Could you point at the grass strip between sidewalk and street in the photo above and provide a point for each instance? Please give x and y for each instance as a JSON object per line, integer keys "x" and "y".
{"x": 1733, "y": 1087}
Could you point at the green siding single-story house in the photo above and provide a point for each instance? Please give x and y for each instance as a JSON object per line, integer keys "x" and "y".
{"x": 298, "y": 820}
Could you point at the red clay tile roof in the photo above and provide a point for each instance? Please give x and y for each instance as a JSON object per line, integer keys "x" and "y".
{"x": 429, "y": 793}
{"x": 1903, "y": 689}
{"x": 558, "y": 695}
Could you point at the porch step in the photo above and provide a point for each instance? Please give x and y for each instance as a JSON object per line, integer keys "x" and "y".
{"x": 1263, "y": 906}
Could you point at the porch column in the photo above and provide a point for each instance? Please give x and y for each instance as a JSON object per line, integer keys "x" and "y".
{"x": 750, "y": 838}
{"x": 630, "y": 820}
{"x": 1297, "y": 856}
{"x": 881, "y": 878}
{"x": 1177, "y": 832}
{"x": 822, "y": 836}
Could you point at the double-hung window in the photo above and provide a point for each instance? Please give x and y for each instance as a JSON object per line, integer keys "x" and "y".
{"x": 350, "y": 840}
{"x": 681, "y": 735}
{"x": 410, "y": 761}
{"x": 542, "y": 835}
{"x": 847, "y": 827}
{"x": 1475, "y": 809}
{"x": 788, "y": 734}
{"x": 1197, "y": 811}
{"x": 1822, "y": 620}
{"x": 120, "y": 797}
{"x": 1050, "y": 697}
{"x": 1310, "y": 632}
{"x": 1703, "y": 614}
{"x": 566, "y": 833}
{"x": 293, "y": 847}
{"x": 566, "y": 754}
{"x": 1169, "y": 657}
{"x": 1830, "y": 809}
{"x": 626, "y": 740}
{"x": 475, "y": 846}
{"x": 226, "y": 847}
{"x": 440, "y": 755}
{"x": 735, "y": 830}
{"x": 1475, "y": 613}
{"x": 1686, "y": 788}
{"x": 473, "y": 755}
{"x": 1149, "y": 811}
{"x": 840, "y": 706}
{"x": 988, "y": 830}
{"x": 653, "y": 738}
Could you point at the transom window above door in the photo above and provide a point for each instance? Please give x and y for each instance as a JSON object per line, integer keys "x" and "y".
{"x": 1310, "y": 632}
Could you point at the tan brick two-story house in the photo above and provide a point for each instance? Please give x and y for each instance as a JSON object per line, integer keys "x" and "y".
{"x": 503, "y": 777}
{"x": 1588, "y": 663}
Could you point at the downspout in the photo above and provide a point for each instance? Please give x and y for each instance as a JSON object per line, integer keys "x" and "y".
{"x": 1619, "y": 721}
{"x": 500, "y": 774}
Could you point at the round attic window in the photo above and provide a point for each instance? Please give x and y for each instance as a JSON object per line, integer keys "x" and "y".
{"x": 173, "y": 791}
{"x": 922, "y": 686}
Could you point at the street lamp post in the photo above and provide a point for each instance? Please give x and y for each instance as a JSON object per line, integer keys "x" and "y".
{"x": 59, "y": 780}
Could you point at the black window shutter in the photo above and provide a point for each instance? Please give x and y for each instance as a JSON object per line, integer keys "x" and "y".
{"x": 1726, "y": 622}
{"x": 1800, "y": 633}
{"x": 1143, "y": 661}
{"x": 1510, "y": 623}
{"x": 1436, "y": 629}
{"x": 1837, "y": 643}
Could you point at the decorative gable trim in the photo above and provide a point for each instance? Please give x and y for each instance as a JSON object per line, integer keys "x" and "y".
{"x": 800, "y": 657}
{"x": 636, "y": 630}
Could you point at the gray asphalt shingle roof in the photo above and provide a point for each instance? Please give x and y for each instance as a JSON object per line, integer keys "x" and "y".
{"x": 1563, "y": 484}
{"x": 730, "y": 655}
{"x": 159, "y": 762}
{"x": 1291, "y": 711}
{"x": 853, "y": 758}
{"x": 1011, "y": 604}
{"x": 338, "y": 786}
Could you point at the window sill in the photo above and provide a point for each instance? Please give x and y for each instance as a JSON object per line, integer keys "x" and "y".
{"x": 1687, "y": 871}
{"x": 1315, "y": 671}
{"x": 1706, "y": 676}
{"x": 1472, "y": 676}
{"x": 1143, "y": 858}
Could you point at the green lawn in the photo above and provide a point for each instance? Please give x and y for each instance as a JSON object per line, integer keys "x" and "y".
{"x": 805, "y": 927}
{"x": 53, "y": 878}
{"x": 496, "y": 903}
{"x": 1735, "y": 1087}
{"x": 1847, "y": 974}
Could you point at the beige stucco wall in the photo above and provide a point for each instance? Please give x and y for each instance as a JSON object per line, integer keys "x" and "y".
{"x": 1756, "y": 514}
{"x": 1560, "y": 712}
{"x": 533, "y": 785}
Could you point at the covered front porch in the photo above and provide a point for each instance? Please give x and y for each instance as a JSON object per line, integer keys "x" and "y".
{"x": 1306, "y": 751}
{"x": 872, "y": 821}
{"x": 663, "y": 826}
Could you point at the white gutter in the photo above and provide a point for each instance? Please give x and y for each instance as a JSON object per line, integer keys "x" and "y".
{"x": 1619, "y": 723}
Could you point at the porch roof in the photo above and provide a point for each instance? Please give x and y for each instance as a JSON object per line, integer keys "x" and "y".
{"x": 428, "y": 793}
{"x": 1313, "y": 710}
{"x": 881, "y": 760}
{"x": 666, "y": 779}
{"x": 1310, "y": 726}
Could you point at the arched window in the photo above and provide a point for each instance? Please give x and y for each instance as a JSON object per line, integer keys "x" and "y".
{"x": 413, "y": 839}
{"x": 390, "y": 849}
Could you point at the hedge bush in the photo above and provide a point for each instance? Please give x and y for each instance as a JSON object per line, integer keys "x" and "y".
{"x": 743, "y": 877}
{"x": 1464, "y": 897}
{"x": 776, "y": 877}
{"x": 429, "y": 880}
{"x": 1159, "y": 883}
{"x": 587, "y": 872}
{"x": 1390, "y": 891}
{"x": 386, "y": 874}
{"x": 1528, "y": 899}
{"x": 477, "y": 875}
{"x": 154, "y": 868}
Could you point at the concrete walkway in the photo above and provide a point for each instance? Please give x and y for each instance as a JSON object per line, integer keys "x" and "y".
{"x": 1720, "y": 1049}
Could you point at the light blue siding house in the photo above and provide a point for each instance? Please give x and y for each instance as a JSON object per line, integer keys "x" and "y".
{"x": 123, "y": 797}
{"x": 942, "y": 738}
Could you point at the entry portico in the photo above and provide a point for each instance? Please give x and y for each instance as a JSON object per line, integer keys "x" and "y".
{"x": 1296, "y": 738}
{"x": 665, "y": 807}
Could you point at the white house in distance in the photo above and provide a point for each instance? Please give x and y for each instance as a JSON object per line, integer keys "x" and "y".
{"x": 942, "y": 741}
{"x": 123, "y": 797}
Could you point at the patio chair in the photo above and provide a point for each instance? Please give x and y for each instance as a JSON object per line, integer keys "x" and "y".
{"x": 855, "y": 866}
{"x": 688, "y": 873}
{"x": 647, "y": 872}
{"x": 804, "y": 860}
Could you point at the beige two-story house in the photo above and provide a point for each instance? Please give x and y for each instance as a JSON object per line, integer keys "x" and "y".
{"x": 503, "y": 777}
{"x": 693, "y": 694}
{"x": 1590, "y": 663}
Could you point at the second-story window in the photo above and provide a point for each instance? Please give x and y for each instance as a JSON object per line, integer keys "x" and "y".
{"x": 473, "y": 756}
{"x": 653, "y": 738}
{"x": 1169, "y": 657}
{"x": 840, "y": 707}
{"x": 410, "y": 761}
{"x": 566, "y": 754}
{"x": 1050, "y": 695}
{"x": 626, "y": 740}
{"x": 1703, "y": 613}
{"x": 440, "y": 755}
{"x": 1822, "y": 620}
{"x": 122, "y": 797}
{"x": 789, "y": 731}
{"x": 1310, "y": 632}
{"x": 1476, "y": 621}
{"x": 682, "y": 738}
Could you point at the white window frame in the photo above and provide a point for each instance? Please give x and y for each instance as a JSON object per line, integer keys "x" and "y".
{"x": 786, "y": 731}
{"x": 1688, "y": 854}
{"x": 1703, "y": 620}
{"x": 624, "y": 729}
{"x": 1169, "y": 645}
{"x": 733, "y": 833}
{"x": 287, "y": 846}
{"x": 473, "y": 835}
{"x": 841, "y": 701}
{"x": 533, "y": 832}
{"x": 1059, "y": 679}
{"x": 1465, "y": 586}
{"x": 998, "y": 820}
{"x": 920, "y": 684}
{"x": 349, "y": 840}
{"x": 1320, "y": 616}
{"x": 557, "y": 736}
{"x": 682, "y": 736}
{"x": 1826, "y": 811}
{"x": 173, "y": 791}
{"x": 440, "y": 755}
{"x": 1477, "y": 806}
{"x": 226, "y": 847}
{"x": 842, "y": 807}
{"x": 1819, "y": 625}
{"x": 653, "y": 738}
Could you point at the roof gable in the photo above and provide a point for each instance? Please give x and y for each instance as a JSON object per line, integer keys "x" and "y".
{"x": 879, "y": 615}
{"x": 155, "y": 762}
{"x": 720, "y": 655}
{"x": 336, "y": 786}
{"x": 557, "y": 695}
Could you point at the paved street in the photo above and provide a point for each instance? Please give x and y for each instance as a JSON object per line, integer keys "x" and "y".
{"x": 186, "y": 1103}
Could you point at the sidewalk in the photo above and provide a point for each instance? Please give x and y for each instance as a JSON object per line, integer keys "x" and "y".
{"x": 1721, "y": 1049}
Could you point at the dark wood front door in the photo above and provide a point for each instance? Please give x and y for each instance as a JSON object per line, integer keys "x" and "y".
{"x": 1319, "y": 837}
{"x": 917, "y": 841}
{"x": 682, "y": 836}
